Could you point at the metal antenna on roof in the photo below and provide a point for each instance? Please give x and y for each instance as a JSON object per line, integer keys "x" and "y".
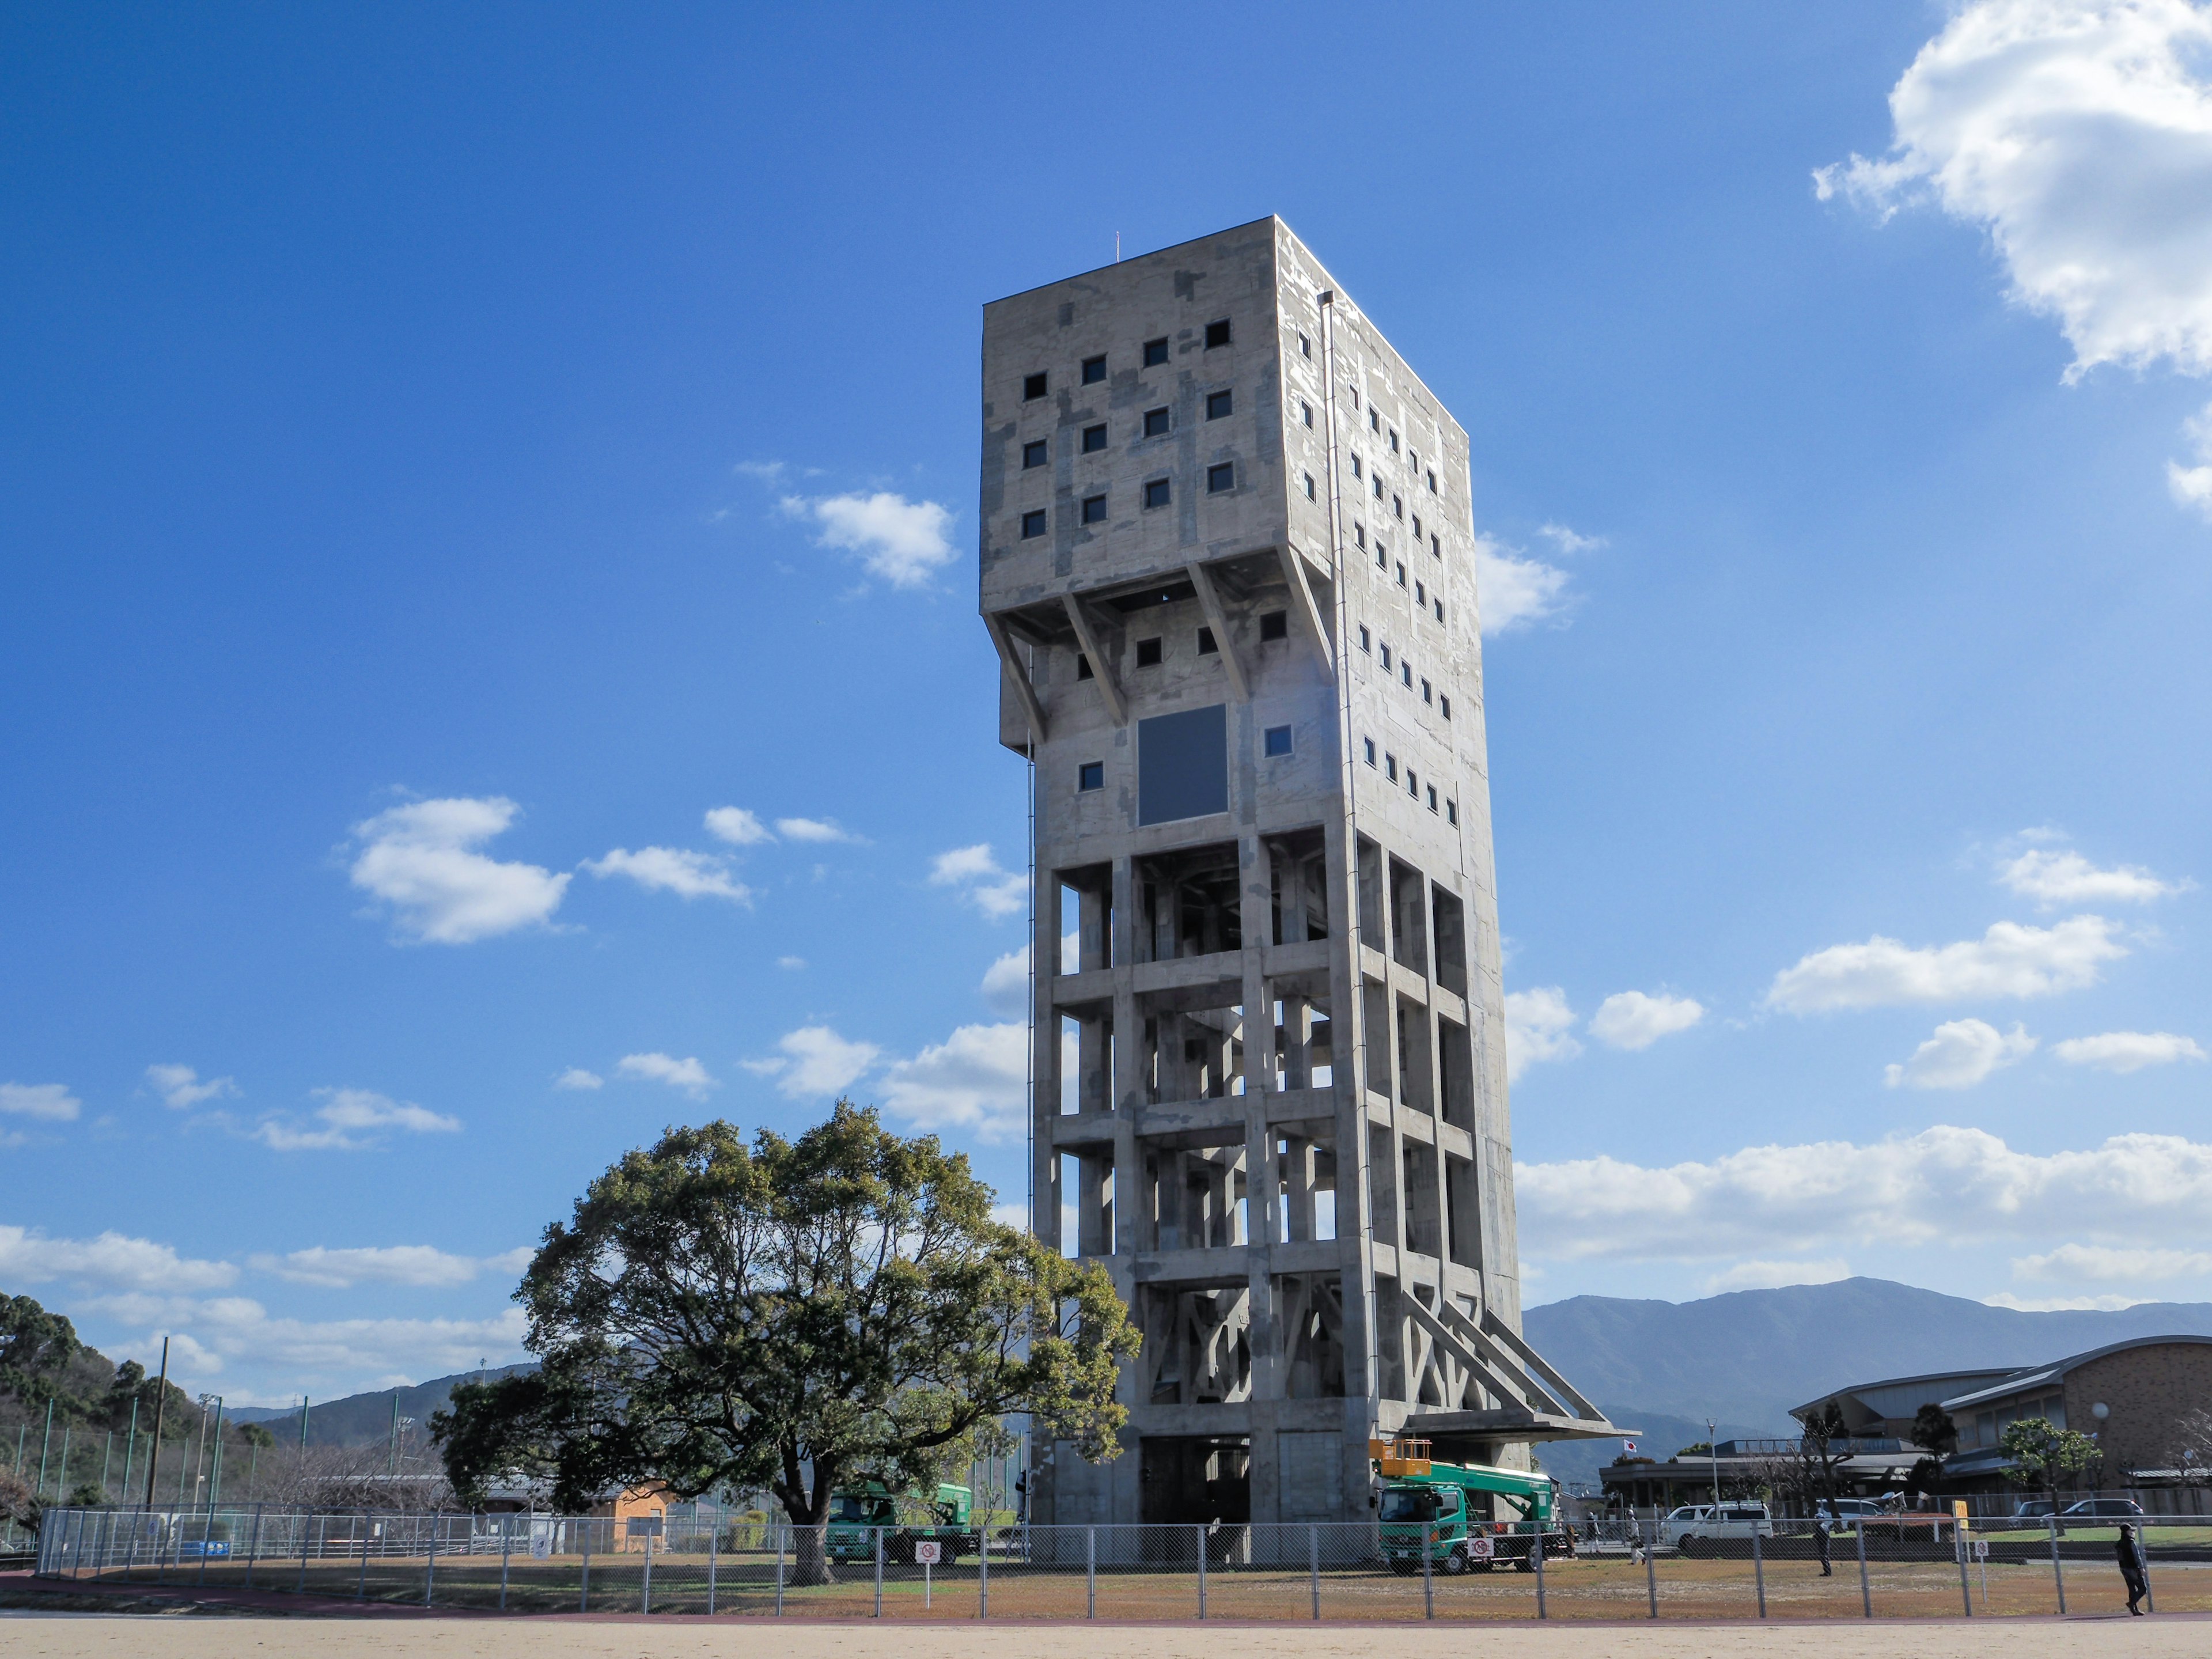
{"x": 1117, "y": 247}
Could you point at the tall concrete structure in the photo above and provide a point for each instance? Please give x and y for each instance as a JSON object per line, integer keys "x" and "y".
{"x": 1228, "y": 568}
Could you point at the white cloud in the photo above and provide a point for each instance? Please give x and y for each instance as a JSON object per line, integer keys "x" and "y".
{"x": 180, "y": 1088}
{"x": 2100, "y": 1264}
{"x": 1961, "y": 1054}
{"x": 2062, "y": 1303}
{"x": 113, "y": 1260}
{"x": 349, "y": 1119}
{"x": 687, "y": 1074}
{"x": 1944, "y": 1185}
{"x": 901, "y": 541}
{"x": 2191, "y": 486}
{"x": 2078, "y": 134}
{"x": 2056, "y": 877}
{"x": 1567, "y": 541}
{"x": 577, "y": 1078}
{"x": 2127, "y": 1051}
{"x": 816, "y": 829}
{"x": 1630, "y": 1019}
{"x": 1512, "y": 591}
{"x": 420, "y": 858}
{"x": 815, "y": 1060}
{"x": 417, "y": 1264}
{"x": 1773, "y": 1275}
{"x": 52, "y": 1102}
{"x": 1536, "y": 1026}
{"x": 737, "y": 826}
{"x": 977, "y": 1079}
{"x": 1006, "y": 985}
{"x": 998, "y": 893}
{"x": 672, "y": 869}
{"x": 2010, "y": 960}
{"x": 790, "y": 964}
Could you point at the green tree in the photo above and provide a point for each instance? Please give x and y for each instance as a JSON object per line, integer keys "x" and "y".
{"x": 1933, "y": 1431}
{"x": 792, "y": 1318}
{"x": 2041, "y": 1455}
{"x": 35, "y": 1345}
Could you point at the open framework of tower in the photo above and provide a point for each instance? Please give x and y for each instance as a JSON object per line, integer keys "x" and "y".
{"x": 1227, "y": 563}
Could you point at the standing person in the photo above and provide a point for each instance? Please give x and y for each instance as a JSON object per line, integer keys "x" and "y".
{"x": 2133, "y": 1569}
{"x": 1821, "y": 1518}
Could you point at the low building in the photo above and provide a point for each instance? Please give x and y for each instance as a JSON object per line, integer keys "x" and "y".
{"x": 1871, "y": 1467}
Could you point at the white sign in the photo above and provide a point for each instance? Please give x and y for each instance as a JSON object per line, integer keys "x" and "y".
{"x": 1981, "y": 1549}
{"x": 541, "y": 1540}
{"x": 1479, "y": 1546}
{"x": 929, "y": 1554}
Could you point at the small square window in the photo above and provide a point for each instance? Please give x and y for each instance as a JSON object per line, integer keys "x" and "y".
{"x": 1433, "y": 797}
{"x": 1034, "y": 454}
{"x": 1417, "y": 526}
{"x": 1156, "y": 493}
{"x": 1206, "y": 647}
{"x": 1426, "y": 690}
{"x": 1440, "y": 609}
{"x": 1382, "y": 555}
{"x": 1386, "y": 655}
{"x": 1217, "y": 334}
{"x": 1401, "y": 575}
{"x": 1432, "y": 483}
{"x": 1374, "y": 420}
{"x": 1155, "y": 352}
{"x": 1094, "y": 370}
{"x": 1032, "y": 523}
{"x": 1365, "y": 643}
{"x": 1305, "y": 411}
{"x": 1451, "y": 811}
{"x": 1398, "y": 506}
{"x": 1305, "y": 346}
{"x": 1359, "y": 532}
{"x": 1394, "y": 440}
{"x": 1274, "y": 624}
{"x": 1083, "y": 667}
{"x": 1356, "y": 472}
{"x": 1310, "y": 487}
{"x": 1444, "y": 703}
{"x": 1421, "y": 594}
{"x": 1094, "y": 509}
{"x": 1221, "y": 479}
{"x": 1094, "y": 439}
{"x": 1405, "y": 673}
{"x": 1413, "y": 459}
{"x": 1091, "y": 775}
{"x": 1369, "y": 742}
{"x": 1390, "y": 767}
{"x": 1355, "y": 396}
{"x": 1219, "y": 404}
{"x": 1436, "y": 544}
{"x": 1378, "y": 486}
{"x": 1413, "y": 784}
{"x": 1033, "y": 386}
{"x": 1156, "y": 423}
{"x": 1148, "y": 653}
{"x": 1277, "y": 739}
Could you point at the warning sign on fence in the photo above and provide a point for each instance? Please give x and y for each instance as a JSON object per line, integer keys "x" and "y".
{"x": 929, "y": 1552}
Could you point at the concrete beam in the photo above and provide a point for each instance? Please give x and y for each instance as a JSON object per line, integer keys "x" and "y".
{"x": 1079, "y": 616}
{"x": 1019, "y": 675}
{"x": 1218, "y": 620}
{"x": 1302, "y": 601}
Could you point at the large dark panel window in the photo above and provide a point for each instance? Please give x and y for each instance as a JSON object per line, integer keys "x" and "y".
{"x": 1182, "y": 765}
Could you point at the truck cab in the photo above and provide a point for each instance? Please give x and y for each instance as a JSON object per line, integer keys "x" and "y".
{"x": 859, "y": 1513}
{"x": 1472, "y": 1516}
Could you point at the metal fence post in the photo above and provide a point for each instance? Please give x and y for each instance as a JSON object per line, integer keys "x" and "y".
{"x": 1866, "y": 1592}
{"x": 880, "y": 1570}
{"x": 1090, "y": 1572}
{"x": 300, "y": 1589}
{"x": 646, "y": 1604}
{"x": 430, "y": 1566}
{"x": 1541, "y": 1611}
{"x": 2058, "y": 1572}
{"x": 1651, "y": 1566}
{"x": 983, "y": 1571}
{"x": 1313, "y": 1565}
{"x": 253, "y": 1547}
{"x": 1759, "y": 1567}
{"x": 782, "y": 1536}
{"x": 714, "y": 1547}
{"x": 361, "y": 1589}
{"x": 583, "y": 1595}
{"x": 1201, "y": 1532}
{"x": 506, "y": 1555}
{"x": 1428, "y": 1582}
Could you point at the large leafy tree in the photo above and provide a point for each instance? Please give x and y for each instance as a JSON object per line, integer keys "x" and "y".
{"x": 36, "y": 1345}
{"x": 2043, "y": 1455}
{"x": 795, "y": 1315}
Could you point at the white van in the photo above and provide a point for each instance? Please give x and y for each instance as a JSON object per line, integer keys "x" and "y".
{"x": 1694, "y": 1528}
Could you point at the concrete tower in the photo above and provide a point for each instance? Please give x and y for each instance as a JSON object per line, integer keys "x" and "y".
{"x": 1228, "y": 567}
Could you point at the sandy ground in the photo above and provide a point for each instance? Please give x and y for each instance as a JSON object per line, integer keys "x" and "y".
{"x": 389, "y": 1637}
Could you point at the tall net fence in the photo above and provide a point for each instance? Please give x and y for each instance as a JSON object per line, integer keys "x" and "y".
{"x": 1907, "y": 1567}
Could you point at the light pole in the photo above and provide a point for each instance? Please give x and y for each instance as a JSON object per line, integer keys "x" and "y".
{"x": 1713, "y": 1450}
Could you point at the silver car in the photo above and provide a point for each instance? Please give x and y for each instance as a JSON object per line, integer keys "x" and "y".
{"x": 1697, "y": 1528}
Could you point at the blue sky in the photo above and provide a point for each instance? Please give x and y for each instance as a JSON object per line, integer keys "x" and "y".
{"x": 487, "y": 514}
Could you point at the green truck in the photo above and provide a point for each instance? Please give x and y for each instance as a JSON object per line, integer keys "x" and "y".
{"x": 1473, "y": 1516}
{"x": 905, "y": 1518}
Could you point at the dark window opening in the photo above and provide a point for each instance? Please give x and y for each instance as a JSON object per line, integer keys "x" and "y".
{"x": 1378, "y": 486}
{"x": 1390, "y": 767}
{"x": 1365, "y": 645}
{"x": 1034, "y": 454}
{"x": 1369, "y": 742}
{"x": 1436, "y": 544}
{"x": 1156, "y": 493}
{"x": 1426, "y": 690}
{"x": 1305, "y": 346}
{"x": 1421, "y": 594}
{"x": 1182, "y": 765}
{"x": 1278, "y": 740}
{"x": 1444, "y": 703}
{"x": 1386, "y": 656}
{"x": 1206, "y": 647}
{"x": 1417, "y": 526}
{"x": 1356, "y": 472}
{"x": 1440, "y": 609}
{"x": 1033, "y": 386}
{"x": 1274, "y": 624}
{"x": 1401, "y": 575}
{"x": 1451, "y": 811}
{"x": 1091, "y": 775}
{"x": 1359, "y": 532}
{"x": 1221, "y": 479}
{"x": 1155, "y": 352}
{"x": 1083, "y": 667}
{"x": 1219, "y": 404}
{"x": 1156, "y": 423}
{"x": 1217, "y": 334}
{"x": 1033, "y": 524}
{"x": 1432, "y": 483}
{"x": 1413, "y": 784}
{"x": 1148, "y": 653}
{"x": 1094, "y": 509}
{"x": 1305, "y": 411}
{"x": 1310, "y": 487}
{"x": 1374, "y": 420}
{"x": 1094, "y": 370}
{"x": 1394, "y": 440}
{"x": 1355, "y": 396}
{"x": 1433, "y": 797}
{"x": 1094, "y": 439}
{"x": 1405, "y": 673}
{"x": 1398, "y": 506}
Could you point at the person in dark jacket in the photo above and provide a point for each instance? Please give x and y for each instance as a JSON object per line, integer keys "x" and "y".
{"x": 2133, "y": 1569}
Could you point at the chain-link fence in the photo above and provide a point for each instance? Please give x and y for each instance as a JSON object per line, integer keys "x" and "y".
{"x": 1904, "y": 1567}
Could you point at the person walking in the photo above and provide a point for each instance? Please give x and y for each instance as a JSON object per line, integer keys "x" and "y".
{"x": 1821, "y": 1541}
{"x": 2133, "y": 1568}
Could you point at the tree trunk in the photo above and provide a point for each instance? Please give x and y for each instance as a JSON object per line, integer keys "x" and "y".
{"x": 811, "y": 1563}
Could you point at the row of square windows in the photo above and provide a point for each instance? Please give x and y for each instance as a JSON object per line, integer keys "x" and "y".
{"x": 1220, "y": 480}
{"x": 1414, "y": 787}
{"x": 1375, "y": 424}
{"x": 1158, "y": 422}
{"x": 1405, "y": 673}
{"x": 1273, "y": 625}
{"x": 1039, "y": 385}
{"x": 1276, "y": 741}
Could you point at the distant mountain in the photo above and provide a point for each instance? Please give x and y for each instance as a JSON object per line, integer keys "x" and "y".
{"x": 362, "y": 1419}
{"x": 1747, "y": 1357}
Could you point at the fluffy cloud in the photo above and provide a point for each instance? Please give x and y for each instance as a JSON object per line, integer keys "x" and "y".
{"x": 2010, "y": 960}
{"x": 1943, "y": 1185}
{"x": 1961, "y": 1054}
{"x": 1630, "y": 1019}
{"x": 815, "y": 1060}
{"x": 2076, "y": 1264}
{"x": 1567, "y": 541}
{"x": 2191, "y": 486}
{"x": 671, "y": 870}
{"x": 1513, "y": 591}
{"x": 112, "y": 1261}
{"x": 1006, "y": 985}
{"x": 2127, "y": 1051}
{"x": 815, "y": 830}
{"x": 180, "y": 1088}
{"x": 737, "y": 826}
{"x": 901, "y": 541}
{"x": 417, "y": 1264}
{"x": 687, "y": 1074}
{"x": 977, "y": 1079}
{"x": 577, "y": 1078}
{"x": 998, "y": 893}
{"x": 350, "y": 1120}
{"x": 790, "y": 964}
{"x": 1773, "y": 1275}
{"x": 52, "y": 1102}
{"x": 1537, "y": 1024}
{"x": 421, "y": 859}
{"x": 2053, "y": 877}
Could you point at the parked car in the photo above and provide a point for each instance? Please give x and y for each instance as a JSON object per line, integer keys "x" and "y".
{"x": 2117, "y": 1509}
{"x": 1848, "y": 1511}
{"x": 2036, "y": 1508}
{"x": 1697, "y": 1528}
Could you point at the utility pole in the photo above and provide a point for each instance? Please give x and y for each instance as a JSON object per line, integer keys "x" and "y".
{"x": 130, "y": 1452}
{"x": 215, "y": 1475}
{"x": 46, "y": 1441}
{"x": 392, "y": 1458}
{"x": 161, "y": 1405}
{"x": 1713, "y": 1450}
{"x": 303, "y": 1422}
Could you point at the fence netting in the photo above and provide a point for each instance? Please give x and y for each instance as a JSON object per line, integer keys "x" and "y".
{"x": 1882, "y": 1567}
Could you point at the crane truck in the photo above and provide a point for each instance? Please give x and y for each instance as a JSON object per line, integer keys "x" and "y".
{"x": 1473, "y": 1516}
